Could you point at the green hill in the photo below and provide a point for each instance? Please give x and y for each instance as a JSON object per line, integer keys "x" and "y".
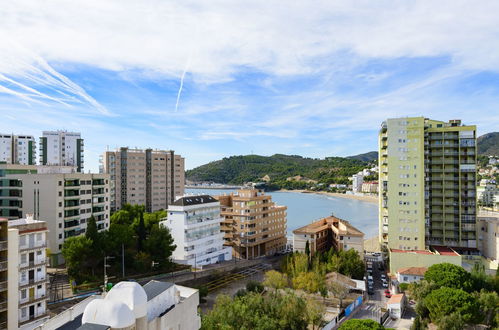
{"x": 488, "y": 144}
{"x": 252, "y": 168}
{"x": 366, "y": 157}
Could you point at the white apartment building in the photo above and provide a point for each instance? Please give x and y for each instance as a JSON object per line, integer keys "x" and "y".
{"x": 62, "y": 148}
{"x": 153, "y": 178}
{"x": 357, "y": 180}
{"x": 194, "y": 222}
{"x": 62, "y": 197}
{"x": 17, "y": 149}
{"x": 488, "y": 194}
{"x": 488, "y": 234}
{"x": 27, "y": 271}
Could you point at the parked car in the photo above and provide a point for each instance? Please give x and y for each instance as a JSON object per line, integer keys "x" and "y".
{"x": 388, "y": 294}
{"x": 385, "y": 284}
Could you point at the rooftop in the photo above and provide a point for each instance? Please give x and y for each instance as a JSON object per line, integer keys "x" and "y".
{"x": 444, "y": 251}
{"x": 343, "y": 227}
{"x": 194, "y": 200}
{"x": 395, "y": 299}
{"x": 419, "y": 271}
{"x": 155, "y": 288}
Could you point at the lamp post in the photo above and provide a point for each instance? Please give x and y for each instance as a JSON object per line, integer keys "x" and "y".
{"x": 106, "y": 258}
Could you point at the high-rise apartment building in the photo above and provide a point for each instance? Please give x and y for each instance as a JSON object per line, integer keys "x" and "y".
{"x": 61, "y": 148}
{"x": 194, "y": 222}
{"x": 4, "y": 285}
{"x": 17, "y": 149}
{"x": 59, "y": 195}
{"x": 27, "y": 270}
{"x": 427, "y": 184}
{"x": 252, "y": 224}
{"x": 153, "y": 178}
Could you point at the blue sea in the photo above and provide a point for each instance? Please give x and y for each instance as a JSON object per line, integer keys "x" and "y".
{"x": 308, "y": 207}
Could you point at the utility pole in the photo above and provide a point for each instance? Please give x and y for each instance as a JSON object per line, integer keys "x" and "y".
{"x": 105, "y": 272}
{"x": 123, "y": 260}
{"x": 195, "y": 265}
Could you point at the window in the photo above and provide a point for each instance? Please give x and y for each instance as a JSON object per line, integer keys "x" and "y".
{"x": 405, "y": 278}
{"x": 60, "y": 236}
{"x": 60, "y": 193}
{"x": 23, "y": 294}
{"x": 23, "y": 258}
{"x": 23, "y": 312}
{"x": 23, "y": 276}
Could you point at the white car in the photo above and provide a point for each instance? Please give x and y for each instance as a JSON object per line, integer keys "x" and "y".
{"x": 385, "y": 284}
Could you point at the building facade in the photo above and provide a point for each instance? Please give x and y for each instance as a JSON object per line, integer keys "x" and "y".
{"x": 488, "y": 224}
{"x": 27, "y": 271}
{"x": 17, "y": 149}
{"x": 410, "y": 274}
{"x": 62, "y": 197}
{"x": 252, "y": 224}
{"x": 62, "y": 148}
{"x": 5, "y": 286}
{"x": 427, "y": 184}
{"x": 194, "y": 222}
{"x": 488, "y": 194}
{"x": 357, "y": 180}
{"x": 153, "y": 178}
{"x": 370, "y": 187}
{"x": 327, "y": 233}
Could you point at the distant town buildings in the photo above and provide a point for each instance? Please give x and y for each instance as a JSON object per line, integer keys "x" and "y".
{"x": 357, "y": 180}
{"x": 59, "y": 195}
{"x": 27, "y": 271}
{"x": 62, "y": 148}
{"x": 17, "y": 149}
{"x": 194, "y": 222}
{"x": 327, "y": 233}
{"x": 153, "y": 178}
{"x": 252, "y": 224}
{"x": 410, "y": 274}
{"x": 427, "y": 185}
{"x": 370, "y": 187}
{"x": 488, "y": 194}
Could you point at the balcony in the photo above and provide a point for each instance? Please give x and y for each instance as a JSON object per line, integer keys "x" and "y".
{"x": 71, "y": 193}
{"x": 3, "y": 265}
{"x": 72, "y": 183}
{"x": 33, "y": 245}
{"x": 34, "y": 263}
{"x": 3, "y": 245}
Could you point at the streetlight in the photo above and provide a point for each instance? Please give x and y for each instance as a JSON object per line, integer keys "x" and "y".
{"x": 106, "y": 258}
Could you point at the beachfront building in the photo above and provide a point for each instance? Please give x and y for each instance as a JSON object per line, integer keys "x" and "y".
{"x": 488, "y": 232}
{"x": 327, "y": 233}
{"x": 194, "y": 222}
{"x": 59, "y": 195}
{"x": 370, "y": 187}
{"x": 488, "y": 194}
{"x": 17, "y": 149}
{"x": 153, "y": 178}
{"x": 252, "y": 224}
{"x": 357, "y": 180}
{"x": 427, "y": 185}
{"x": 62, "y": 148}
{"x": 27, "y": 271}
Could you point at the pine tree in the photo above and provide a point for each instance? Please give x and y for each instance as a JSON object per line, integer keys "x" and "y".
{"x": 92, "y": 232}
{"x": 141, "y": 233}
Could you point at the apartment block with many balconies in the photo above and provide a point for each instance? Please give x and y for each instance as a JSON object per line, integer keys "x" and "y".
{"x": 194, "y": 222}
{"x": 62, "y": 148}
{"x": 4, "y": 274}
{"x": 153, "y": 178}
{"x": 427, "y": 185}
{"x": 27, "y": 271}
{"x": 59, "y": 195}
{"x": 17, "y": 149}
{"x": 252, "y": 224}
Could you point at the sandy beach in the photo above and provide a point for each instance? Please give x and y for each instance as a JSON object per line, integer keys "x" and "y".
{"x": 370, "y": 199}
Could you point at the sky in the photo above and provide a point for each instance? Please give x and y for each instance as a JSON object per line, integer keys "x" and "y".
{"x": 211, "y": 79}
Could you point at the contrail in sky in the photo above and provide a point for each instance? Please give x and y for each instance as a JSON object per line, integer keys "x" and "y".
{"x": 182, "y": 80}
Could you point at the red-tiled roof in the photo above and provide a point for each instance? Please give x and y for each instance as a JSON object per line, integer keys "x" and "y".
{"x": 413, "y": 271}
{"x": 411, "y": 251}
{"x": 445, "y": 251}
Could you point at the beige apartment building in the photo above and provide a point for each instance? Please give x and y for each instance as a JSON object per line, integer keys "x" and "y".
{"x": 327, "y": 233}
{"x": 4, "y": 287}
{"x": 153, "y": 178}
{"x": 27, "y": 285}
{"x": 59, "y": 195}
{"x": 252, "y": 224}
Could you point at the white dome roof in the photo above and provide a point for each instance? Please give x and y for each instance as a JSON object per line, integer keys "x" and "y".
{"x": 111, "y": 313}
{"x": 132, "y": 294}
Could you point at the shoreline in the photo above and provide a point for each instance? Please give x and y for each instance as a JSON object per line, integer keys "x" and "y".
{"x": 369, "y": 199}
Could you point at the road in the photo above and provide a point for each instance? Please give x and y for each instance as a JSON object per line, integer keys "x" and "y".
{"x": 372, "y": 308}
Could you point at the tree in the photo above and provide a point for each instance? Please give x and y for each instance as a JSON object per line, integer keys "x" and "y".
{"x": 307, "y": 249}
{"x": 159, "y": 245}
{"x": 355, "y": 324}
{"x": 453, "y": 321}
{"x": 254, "y": 286}
{"x": 92, "y": 232}
{"x": 295, "y": 264}
{"x": 314, "y": 312}
{"x": 445, "y": 301}
{"x": 489, "y": 304}
{"x": 141, "y": 233}
{"x": 275, "y": 280}
{"x": 310, "y": 282}
{"x": 339, "y": 291}
{"x": 76, "y": 251}
{"x": 449, "y": 275}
